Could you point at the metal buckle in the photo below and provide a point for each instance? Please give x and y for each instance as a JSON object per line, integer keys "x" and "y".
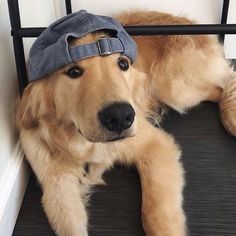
{"x": 103, "y": 43}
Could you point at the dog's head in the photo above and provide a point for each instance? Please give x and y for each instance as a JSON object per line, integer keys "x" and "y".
{"x": 95, "y": 95}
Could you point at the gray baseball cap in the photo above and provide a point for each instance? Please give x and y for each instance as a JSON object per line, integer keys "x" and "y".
{"x": 51, "y": 50}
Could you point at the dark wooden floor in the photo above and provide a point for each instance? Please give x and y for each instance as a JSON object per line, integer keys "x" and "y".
{"x": 209, "y": 157}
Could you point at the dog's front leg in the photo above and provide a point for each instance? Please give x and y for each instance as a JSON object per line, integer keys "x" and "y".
{"x": 162, "y": 182}
{"x": 64, "y": 206}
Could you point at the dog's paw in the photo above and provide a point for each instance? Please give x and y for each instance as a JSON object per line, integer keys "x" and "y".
{"x": 228, "y": 107}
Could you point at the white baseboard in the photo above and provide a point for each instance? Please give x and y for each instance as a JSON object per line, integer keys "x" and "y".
{"x": 12, "y": 189}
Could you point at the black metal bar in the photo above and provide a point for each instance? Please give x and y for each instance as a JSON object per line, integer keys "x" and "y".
{"x": 68, "y": 6}
{"x": 30, "y": 32}
{"x": 224, "y": 17}
{"x": 18, "y": 44}
{"x": 155, "y": 30}
{"x": 182, "y": 29}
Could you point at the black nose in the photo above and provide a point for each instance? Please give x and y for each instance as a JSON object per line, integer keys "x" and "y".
{"x": 117, "y": 117}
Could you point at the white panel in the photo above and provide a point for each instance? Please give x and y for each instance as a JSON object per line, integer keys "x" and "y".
{"x": 230, "y": 40}
{"x": 205, "y": 11}
{"x": 13, "y": 185}
{"x": 60, "y": 8}
{"x": 8, "y": 139}
{"x": 8, "y": 89}
{"x": 36, "y": 13}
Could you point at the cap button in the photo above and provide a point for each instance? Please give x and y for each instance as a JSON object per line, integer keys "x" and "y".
{"x": 83, "y": 11}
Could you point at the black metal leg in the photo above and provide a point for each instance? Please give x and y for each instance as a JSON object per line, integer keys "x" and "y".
{"x": 18, "y": 44}
{"x": 224, "y": 16}
{"x": 20, "y": 63}
{"x": 68, "y": 6}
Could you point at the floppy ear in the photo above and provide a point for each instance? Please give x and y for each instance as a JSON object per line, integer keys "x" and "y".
{"x": 33, "y": 105}
{"x": 24, "y": 117}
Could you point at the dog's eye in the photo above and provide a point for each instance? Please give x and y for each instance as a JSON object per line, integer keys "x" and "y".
{"x": 123, "y": 63}
{"x": 75, "y": 72}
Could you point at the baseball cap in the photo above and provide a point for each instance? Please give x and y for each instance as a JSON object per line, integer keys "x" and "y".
{"x": 51, "y": 49}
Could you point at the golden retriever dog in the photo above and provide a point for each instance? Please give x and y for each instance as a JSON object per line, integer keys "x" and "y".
{"x": 72, "y": 130}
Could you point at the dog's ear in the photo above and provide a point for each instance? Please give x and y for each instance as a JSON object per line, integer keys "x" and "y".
{"x": 33, "y": 106}
{"x": 24, "y": 116}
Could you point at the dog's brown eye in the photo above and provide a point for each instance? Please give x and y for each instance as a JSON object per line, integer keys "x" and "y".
{"x": 123, "y": 64}
{"x": 75, "y": 72}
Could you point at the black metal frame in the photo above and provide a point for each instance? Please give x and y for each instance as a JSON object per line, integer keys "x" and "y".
{"x": 18, "y": 33}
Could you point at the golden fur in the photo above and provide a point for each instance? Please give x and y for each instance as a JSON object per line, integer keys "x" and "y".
{"x": 60, "y": 132}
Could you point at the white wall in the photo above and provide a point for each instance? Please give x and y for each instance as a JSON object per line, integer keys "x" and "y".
{"x": 205, "y": 11}
{"x": 35, "y": 13}
{"x": 13, "y": 169}
{"x": 8, "y": 90}
{"x": 8, "y": 93}
{"x": 230, "y": 40}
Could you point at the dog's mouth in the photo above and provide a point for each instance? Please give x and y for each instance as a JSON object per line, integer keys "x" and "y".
{"x": 118, "y": 138}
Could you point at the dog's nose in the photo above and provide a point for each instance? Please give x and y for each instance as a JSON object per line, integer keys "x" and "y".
{"x": 117, "y": 117}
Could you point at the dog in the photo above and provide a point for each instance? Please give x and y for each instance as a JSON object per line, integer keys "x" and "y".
{"x": 79, "y": 120}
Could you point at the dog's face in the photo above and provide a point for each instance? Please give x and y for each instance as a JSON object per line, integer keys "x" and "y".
{"x": 96, "y": 95}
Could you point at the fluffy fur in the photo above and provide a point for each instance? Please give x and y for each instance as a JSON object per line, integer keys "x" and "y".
{"x": 60, "y": 132}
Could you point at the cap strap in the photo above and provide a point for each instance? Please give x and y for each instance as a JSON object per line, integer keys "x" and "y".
{"x": 102, "y": 47}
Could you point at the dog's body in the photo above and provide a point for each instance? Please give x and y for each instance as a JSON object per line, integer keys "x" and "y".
{"x": 61, "y": 134}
